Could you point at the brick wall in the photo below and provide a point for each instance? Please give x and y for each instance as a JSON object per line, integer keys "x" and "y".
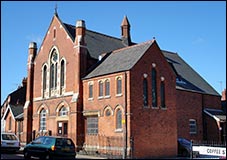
{"x": 65, "y": 51}
{"x": 106, "y": 124}
{"x": 211, "y": 101}
{"x": 154, "y": 129}
{"x": 212, "y": 129}
{"x": 189, "y": 106}
{"x": 52, "y": 104}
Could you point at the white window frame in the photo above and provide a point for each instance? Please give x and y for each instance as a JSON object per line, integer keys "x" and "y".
{"x": 192, "y": 126}
{"x": 42, "y": 120}
{"x": 63, "y": 111}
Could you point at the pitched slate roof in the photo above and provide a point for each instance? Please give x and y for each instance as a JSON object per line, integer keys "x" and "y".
{"x": 187, "y": 78}
{"x": 17, "y": 110}
{"x": 125, "y": 58}
{"x": 120, "y": 60}
{"x": 18, "y": 96}
{"x": 97, "y": 43}
{"x": 17, "y": 101}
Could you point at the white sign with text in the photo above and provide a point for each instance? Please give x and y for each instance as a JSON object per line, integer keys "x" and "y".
{"x": 213, "y": 151}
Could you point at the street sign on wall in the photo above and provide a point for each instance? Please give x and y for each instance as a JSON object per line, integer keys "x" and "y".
{"x": 212, "y": 151}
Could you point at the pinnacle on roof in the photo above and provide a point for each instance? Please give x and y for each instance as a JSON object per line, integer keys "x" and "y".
{"x": 56, "y": 10}
{"x": 125, "y": 22}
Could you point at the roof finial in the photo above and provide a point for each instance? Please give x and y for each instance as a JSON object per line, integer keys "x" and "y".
{"x": 55, "y": 9}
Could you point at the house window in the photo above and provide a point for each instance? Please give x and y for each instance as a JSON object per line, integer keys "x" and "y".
{"x": 119, "y": 119}
{"x": 145, "y": 92}
{"x": 100, "y": 89}
{"x": 90, "y": 91}
{"x": 107, "y": 88}
{"x": 42, "y": 120}
{"x": 63, "y": 111}
{"x": 192, "y": 126}
{"x": 10, "y": 123}
{"x": 119, "y": 86}
{"x": 163, "y": 105}
{"x": 154, "y": 88}
{"x": 53, "y": 69}
{"x": 44, "y": 77}
{"x": 92, "y": 125}
{"x": 62, "y": 73}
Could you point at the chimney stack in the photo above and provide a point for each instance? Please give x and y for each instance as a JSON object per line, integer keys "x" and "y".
{"x": 223, "y": 98}
{"x": 32, "y": 50}
{"x": 28, "y": 108}
{"x": 80, "y": 32}
{"x": 81, "y": 49}
{"x": 125, "y": 31}
{"x": 24, "y": 81}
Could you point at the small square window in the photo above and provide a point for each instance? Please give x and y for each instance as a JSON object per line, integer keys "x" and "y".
{"x": 192, "y": 126}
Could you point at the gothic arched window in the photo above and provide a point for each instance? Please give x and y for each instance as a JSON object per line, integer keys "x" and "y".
{"x": 162, "y": 88}
{"x": 62, "y": 73}
{"x": 100, "y": 89}
{"x": 63, "y": 111}
{"x": 107, "y": 88}
{"x": 154, "y": 87}
{"x": 44, "y": 77}
{"x": 42, "y": 120}
{"x": 53, "y": 69}
{"x": 119, "y": 119}
{"x": 145, "y": 92}
{"x": 119, "y": 86}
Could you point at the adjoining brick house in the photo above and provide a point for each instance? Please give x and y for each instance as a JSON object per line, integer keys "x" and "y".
{"x": 12, "y": 111}
{"x": 95, "y": 88}
{"x": 216, "y": 119}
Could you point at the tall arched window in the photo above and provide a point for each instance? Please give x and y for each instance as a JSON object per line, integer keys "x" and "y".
{"x": 53, "y": 69}
{"x": 154, "y": 87}
{"x": 42, "y": 120}
{"x": 145, "y": 92}
{"x": 62, "y": 73}
{"x": 100, "y": 89}
{"x": 119, "y": 86}
{"x": 107, "y": 88}
{"x": 52, "y": 76}
{"x": 55, "y": 75}
{"x": 90, "y": 95}
{"x": 119, "y": 119}
{"x": 44, "y": 77}
{"x": 163, "y": 94}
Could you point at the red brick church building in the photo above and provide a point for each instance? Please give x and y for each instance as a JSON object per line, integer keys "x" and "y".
{"x": 111, "y": 94}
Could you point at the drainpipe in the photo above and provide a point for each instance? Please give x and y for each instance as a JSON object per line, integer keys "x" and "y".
{"x": 124, "y": 122}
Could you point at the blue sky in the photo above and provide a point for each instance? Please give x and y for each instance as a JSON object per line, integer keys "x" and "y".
{"x": 195, "y": 30}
